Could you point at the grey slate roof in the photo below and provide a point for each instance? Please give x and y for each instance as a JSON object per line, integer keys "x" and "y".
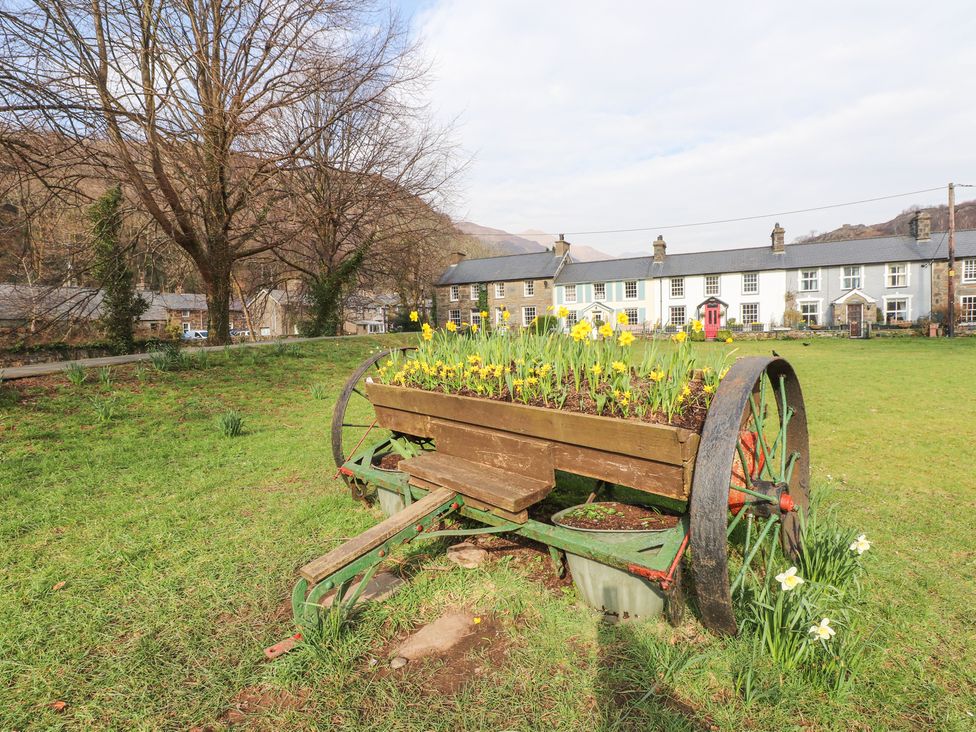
{"x": 537, "y": 266}
{"x": 606, "y": 270}
{"x": 85, "y": 303}
{"x": 819, "y": 254}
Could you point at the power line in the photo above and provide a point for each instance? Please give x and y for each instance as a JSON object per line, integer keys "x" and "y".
{"x": 728, "y": 221}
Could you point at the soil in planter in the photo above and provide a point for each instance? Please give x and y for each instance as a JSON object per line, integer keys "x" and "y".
{"x": 391, "y": 461}
{"x": 610, "y": 516}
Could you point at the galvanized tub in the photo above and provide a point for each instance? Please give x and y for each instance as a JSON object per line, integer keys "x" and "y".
{"x": 620, "y": 595}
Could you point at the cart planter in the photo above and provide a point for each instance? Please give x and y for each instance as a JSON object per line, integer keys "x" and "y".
{"x": 738, "y": 485}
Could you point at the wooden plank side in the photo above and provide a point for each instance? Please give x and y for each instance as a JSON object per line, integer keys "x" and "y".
{"x": 519, "y": 518}
{"x": 654, "y": 442}
{"x": 502, "y": 450}
{"x": 339, "y": 557}
{"x": 409, "y": 423}
{"x": 509, "y": 491}
{"x": 644, "y": 475}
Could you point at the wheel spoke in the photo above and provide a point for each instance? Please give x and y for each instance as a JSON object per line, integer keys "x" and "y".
{"x": 745, "y": 465}
{"x": 770, "y": 523}
{"x": 735, "y": 521}
{"x": 357, "y": 391}
{"x": 760, "y": 440}
{"x": 784, "y": 423}
{"x": 351, "y": 424}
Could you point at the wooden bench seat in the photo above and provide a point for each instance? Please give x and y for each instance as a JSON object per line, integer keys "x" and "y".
{"x": 504, "y": 489}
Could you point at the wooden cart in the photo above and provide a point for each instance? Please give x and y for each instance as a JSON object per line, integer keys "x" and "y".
{"x": 737, "y": 485}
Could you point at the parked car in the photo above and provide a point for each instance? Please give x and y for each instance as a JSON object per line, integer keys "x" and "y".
{"x": 239, "y": 333}
{"x": 194, "y": 335}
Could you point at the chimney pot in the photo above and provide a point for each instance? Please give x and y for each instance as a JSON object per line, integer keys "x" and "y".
{"x": 779, "y": 239}
{"x": 922, "y": 226}
{"x": 561, "y": 247}
{"x": 660, "y": 247}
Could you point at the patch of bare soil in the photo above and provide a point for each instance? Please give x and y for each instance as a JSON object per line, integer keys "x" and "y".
{"x": 613, "y": 516}
{"x": 471, "y": 659}
{"x": 258, "y": 699}
{"x": 528, "y": 556}
{"x": 390, "y": 462}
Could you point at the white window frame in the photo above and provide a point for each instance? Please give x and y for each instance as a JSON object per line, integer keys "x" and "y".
{"x": 473, "y": 296}
{"x": 499, "y": 318}
{"x": 475, "y": 317}
{"x": 454, "y": 316}
{"x": 567, "y": 289}
{"x": 572, "y": 318}
{"x": 971, "y": 307}
{"x": 186, "y": 327}
{"x": 526, "y": 320}
{"x": 816, "y": 280}
{"x": 528, "y": 288}
{"x": 904, "y": 275}
{"x": 455, "y": 293}
{"x": 499, "y": 290}
{"x": 755, "y": 290}
{"x": 671, "y": 312}
{"x": 844, "y": 278}
{"x": 908, "y": 306}
{"x": 713, "y": 291}
{"x": 677, "y": 288}
{"x": 818, "y": 314}
{"x": 599, "y": 290}
{"x": 633, "y": 316}
{"x": 742, "y": 313}
{"x": 969, "y": 270}
{"x": 374, "y": 328}
{"x": 627, "y": 285}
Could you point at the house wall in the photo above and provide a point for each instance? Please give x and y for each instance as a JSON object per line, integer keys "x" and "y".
{"x": 615, "y": 300}
{"x": 514, "y": 300}
{"x": 770, "y": 298}
{"x": 939, "y": 284}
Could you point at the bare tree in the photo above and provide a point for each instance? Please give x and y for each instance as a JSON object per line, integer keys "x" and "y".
{"x": 365, "y": 189}
{"x": 184, "y": 102}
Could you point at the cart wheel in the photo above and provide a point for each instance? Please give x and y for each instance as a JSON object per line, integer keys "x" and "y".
{"x": 354, "y": 416}
{"x": 674, "y": 598}
{"x": 751, "y": 480}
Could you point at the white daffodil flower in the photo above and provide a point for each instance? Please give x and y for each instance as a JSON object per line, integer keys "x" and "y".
{"x": 860, "y": 544}
{"x": 789, "y": 579}
{"x": 823, "y": 631}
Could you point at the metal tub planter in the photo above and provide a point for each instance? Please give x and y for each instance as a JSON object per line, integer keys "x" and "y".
{"x": 735, "y": 485}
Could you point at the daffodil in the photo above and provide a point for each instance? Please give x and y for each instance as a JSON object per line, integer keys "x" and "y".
{"x": 625, "y": 338}
{"x": 428, "y": 332}
{"x": 709, "y": 389}
{"x": 506, "y": 315}
{"x": 822, "y": 631}
{"x": 789, "y": 579}
{"x": 563, "y": 311}
{"x": 606, "y": 330}
{"x": 619, "y": 366}
{"x": 451, "y": 326}
{"x": 697, "y": 325}
{"x": 597, "y": 369}
{"x": 548, "y": 308}
{"x": 474, "y": 327}
{"x": 656, "y": 375}
{"x": 860, "y": 544}
{"x": 729, "y": 339}
{"x": 622, "y": 318}
{"x": 679, "y": 337}
{"x": 414, "y": 316}
{"x": 484, "y": 314}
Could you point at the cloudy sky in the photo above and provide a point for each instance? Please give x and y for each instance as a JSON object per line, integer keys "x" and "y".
{"x": 588, "y": 116}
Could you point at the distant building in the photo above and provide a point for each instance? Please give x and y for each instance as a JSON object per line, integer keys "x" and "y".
{"x": 369, "y": 313}
{"x": 276, "y": 313}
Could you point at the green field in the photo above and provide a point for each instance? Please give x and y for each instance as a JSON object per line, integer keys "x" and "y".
{"x": 177, "y": 548}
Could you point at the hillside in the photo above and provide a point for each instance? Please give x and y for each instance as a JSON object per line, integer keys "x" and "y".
{"x": 530, "y": 240}
{"x": 901, "y": 224}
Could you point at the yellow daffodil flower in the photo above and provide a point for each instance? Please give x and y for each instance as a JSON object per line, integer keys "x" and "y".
{"x": 451, "y": 326}
{"x": 697, "y": 325}
{"x": 622, "y": 318}
{"x": 414, "y": 316}
{"x": 474, "y": 327}
{"x": 789, "y": 579}
{"x": 679, "y": 337}
{"x": 606, "y": 330}
{"x": 563, "y": 311}
{"x": 709, "y": 389}
{"x": 506, "y": 315}
{"x": 619, "y": 366}
{"x": 625, "y": 338}
{"x": 822, "y": 631}
{"x": 484, "y": 314}
{"x": 656, "y": 375}
{"x": 597, "y": 369}
{"x": 729, "y": 339}
{"x": 860, "y": 544}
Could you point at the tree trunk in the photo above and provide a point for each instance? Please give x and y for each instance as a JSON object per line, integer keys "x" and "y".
{"x": 218, "y": 304}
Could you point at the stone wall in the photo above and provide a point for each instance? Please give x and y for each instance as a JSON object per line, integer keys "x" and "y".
{"x": 514, "y": 300}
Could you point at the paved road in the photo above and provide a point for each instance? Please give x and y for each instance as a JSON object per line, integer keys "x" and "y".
{"x": 54, "y": 367}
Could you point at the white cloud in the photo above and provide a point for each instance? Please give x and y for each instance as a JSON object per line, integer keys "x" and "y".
{"x": 616, "y": 115}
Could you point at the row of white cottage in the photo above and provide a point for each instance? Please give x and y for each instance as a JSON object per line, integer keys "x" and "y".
{"x": 889, "y": 279}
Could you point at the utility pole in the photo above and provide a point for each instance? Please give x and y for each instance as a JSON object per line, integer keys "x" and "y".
{"x": 951, "y": 325}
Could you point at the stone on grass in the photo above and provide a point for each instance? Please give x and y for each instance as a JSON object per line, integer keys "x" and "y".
{"x": 467, "y": 555}
{"x": 438, "y": 637}
{"x": 398, "y": 662}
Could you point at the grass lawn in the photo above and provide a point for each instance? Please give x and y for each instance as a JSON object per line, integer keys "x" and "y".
{"x": 146, "y": 561}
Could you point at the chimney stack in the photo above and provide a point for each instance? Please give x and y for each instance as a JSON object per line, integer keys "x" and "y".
{"x": 660, "y": 246}
{"x": 457, "y": 258}
{"x": 779, "y": 239}
{"x": 561, "y": 247}
{"x": 922, "y": 226}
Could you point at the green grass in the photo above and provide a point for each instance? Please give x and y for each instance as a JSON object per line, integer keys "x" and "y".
{"x": 178, "y": 548}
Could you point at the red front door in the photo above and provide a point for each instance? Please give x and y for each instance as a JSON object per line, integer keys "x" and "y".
{"x": 713, "y": 315}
